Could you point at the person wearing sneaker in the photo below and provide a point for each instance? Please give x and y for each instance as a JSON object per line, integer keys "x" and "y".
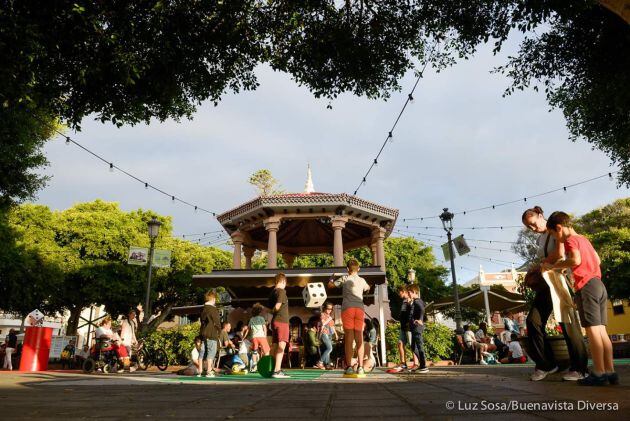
{"x": 352, "y": 314}
{"x": 550, "y": 251}
{"x": 416, "y": 326}
{"x": 404, "y": 339}
{"x": 210, "y": 325}
{"x": 279, "y": 304}
{"x": 591, "y": 296}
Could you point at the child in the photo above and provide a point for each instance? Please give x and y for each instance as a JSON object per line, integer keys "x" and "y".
{"x": 416, "y": 326}
{"x": 352, "y": 315}
{"x": 404, "y": 339}
{"x": 210, "y": 326}
{"x": 311, "y": 346}
{"x": 515, "y": 352}
{"x": 279, "y": 304}
{"x": 590, "y": 295}
{"x": 258, "y": 328}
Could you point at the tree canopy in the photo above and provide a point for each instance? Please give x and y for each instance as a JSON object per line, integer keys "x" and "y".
{"x": 130, "y": 62}
{"x": 608, "y": 228}
{"x": 68, "y": 260}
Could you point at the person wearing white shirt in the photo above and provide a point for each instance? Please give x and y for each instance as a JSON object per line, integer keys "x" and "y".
{"x": 128, "y": 330}
{"x": 515, "y": 352}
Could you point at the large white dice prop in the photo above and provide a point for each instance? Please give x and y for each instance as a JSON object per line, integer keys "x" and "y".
{"x": 35, "y": 318}
{"x": 314, "y": 295}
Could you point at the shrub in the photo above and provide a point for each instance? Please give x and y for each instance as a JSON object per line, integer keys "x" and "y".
{"x": 177, "y": 342}
{"x": 438, "y": 342}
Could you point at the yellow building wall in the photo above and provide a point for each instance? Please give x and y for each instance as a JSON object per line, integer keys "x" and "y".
{"x": 620, "y": 323}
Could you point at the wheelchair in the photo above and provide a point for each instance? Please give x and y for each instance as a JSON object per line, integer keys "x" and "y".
{"x": 103, "y": 357}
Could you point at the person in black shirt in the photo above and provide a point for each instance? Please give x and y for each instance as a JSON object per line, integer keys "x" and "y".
{"x": 11, "y": 346}
{"x": 416, "y": 325}
{"x": 279, "y": 304}
{"x": 210, "y": 326}
{"x": 404, "y": 339}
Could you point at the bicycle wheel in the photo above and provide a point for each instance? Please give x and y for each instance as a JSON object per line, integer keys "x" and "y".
{"x": 89, "y": 365}
{"x": 160, "y": 359}
{"x": 142, "y": 359}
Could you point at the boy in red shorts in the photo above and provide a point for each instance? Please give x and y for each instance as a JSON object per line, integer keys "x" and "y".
{"x": 279, "y": 304}
{"x": 352, "y": 315}
{"x": 590, "y": 296}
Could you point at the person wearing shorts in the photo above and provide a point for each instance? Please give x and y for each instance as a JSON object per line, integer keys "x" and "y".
{"x": 591, "y": 296}
{"x": 352, "y": 314}
{"x": 258, "y": 327}
{"x": 279, "y": 304}
{"x": 210, "y": 326}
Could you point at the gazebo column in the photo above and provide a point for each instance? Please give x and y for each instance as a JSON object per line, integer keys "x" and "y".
{"x": 248, "y": 251}
{"x": 379, "y": 235}
{"x": 338, "y": 224}
{"x": 288, "y": 258}
{"x": 272, "y": 225}
{"x": 237, "y": 239}
{"x": 373, "y": 250}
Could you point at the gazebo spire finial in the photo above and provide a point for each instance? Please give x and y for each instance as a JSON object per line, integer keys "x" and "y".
{"x": 309, "y": 188}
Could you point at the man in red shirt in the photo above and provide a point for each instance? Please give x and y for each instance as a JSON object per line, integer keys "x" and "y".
{"x": 590, "y": 296}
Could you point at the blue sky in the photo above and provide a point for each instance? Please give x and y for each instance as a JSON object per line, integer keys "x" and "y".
{"x": 460, "y": 144}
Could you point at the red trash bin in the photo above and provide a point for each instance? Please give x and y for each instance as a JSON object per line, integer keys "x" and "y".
{"x": 36, "y": 349}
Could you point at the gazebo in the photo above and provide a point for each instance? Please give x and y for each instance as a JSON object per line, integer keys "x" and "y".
{"x": 294, "y": 224}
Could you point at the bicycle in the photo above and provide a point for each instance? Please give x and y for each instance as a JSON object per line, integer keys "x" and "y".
{"x": 143, "y": 358}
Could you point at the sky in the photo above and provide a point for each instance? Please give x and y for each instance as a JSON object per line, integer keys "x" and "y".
{"x": 460, "y": 145}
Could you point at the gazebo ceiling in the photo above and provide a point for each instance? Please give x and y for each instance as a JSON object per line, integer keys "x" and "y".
{"x": 306, "y": 235}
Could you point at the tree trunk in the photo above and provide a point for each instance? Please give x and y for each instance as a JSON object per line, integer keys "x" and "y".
{"x": 153, "y": 325}
{"x": 73, "y": 321}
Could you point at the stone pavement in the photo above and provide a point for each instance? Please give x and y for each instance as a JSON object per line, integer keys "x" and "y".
{"x": 473, "y": 392}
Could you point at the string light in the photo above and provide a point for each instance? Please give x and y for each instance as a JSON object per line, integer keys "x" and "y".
{"x": 147, "y": 185}
{"x": 496, "y": 205}
{"x": 390, "y": 133}
{"x": 468, "y": 228}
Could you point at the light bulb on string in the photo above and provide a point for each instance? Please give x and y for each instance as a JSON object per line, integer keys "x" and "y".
{"x": 146, "y": 186}
{"x": 411, "y": 100}
{"x": 610, "y": 177}
{"x": 111, "y": 167}
{"x": 173, "y": 199}
{"x": 196, "y": 212}
{"x": 67, "y": 141}
{"x": 390, "y": 137}
{"x": 375, "y": 162}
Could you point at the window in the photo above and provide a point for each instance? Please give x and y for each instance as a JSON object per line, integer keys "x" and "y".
{"x": 617, "y": 307}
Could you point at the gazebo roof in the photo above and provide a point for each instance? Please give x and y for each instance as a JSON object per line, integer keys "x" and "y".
{"x": 306, "y": 220}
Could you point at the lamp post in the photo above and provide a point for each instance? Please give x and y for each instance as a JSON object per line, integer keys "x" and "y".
{"x": 154, "y": 229}
{"x": 447, "y": 222}
{"x": 411, "y": 276}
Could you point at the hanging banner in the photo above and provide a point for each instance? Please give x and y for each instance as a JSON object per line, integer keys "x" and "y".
{"x": 138, "y": 256}
{"x": 447, "y": 255}
{"x": 161, "y": 258}
{"x": 461, "y": 245}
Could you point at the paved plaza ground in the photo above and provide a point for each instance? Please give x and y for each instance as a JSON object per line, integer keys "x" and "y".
{"x": 464, "y": 392}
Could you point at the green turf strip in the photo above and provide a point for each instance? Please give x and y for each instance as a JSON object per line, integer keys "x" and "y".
{"x": 305, "y": 375}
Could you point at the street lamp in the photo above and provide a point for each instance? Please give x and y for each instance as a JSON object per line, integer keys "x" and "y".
{"x": 154, "y": 230}
{"x": 447, "y": 222}
{"x": 411, "y": 276}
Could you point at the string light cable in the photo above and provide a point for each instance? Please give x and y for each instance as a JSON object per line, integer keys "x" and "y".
{"x": 520, "y": 200}
{"x": 146, "y": 184}
{"x": 390, "y": 133}
{"x": 421, "y": 234}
